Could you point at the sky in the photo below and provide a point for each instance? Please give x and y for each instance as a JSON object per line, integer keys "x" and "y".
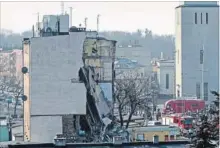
{"x": 125, "y": 16}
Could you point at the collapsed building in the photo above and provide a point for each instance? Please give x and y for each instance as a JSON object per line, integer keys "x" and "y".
{"x": 61, "y": 86}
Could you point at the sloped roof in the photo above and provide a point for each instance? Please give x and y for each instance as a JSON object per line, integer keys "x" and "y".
{"x": 126, "y": 63}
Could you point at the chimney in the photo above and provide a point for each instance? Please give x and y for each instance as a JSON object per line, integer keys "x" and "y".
{"x": 161, "y": 56}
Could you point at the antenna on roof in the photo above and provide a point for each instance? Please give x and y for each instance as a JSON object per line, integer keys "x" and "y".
{"x": 71, "y": 12}
{"x": 98, "y": 16}
{"x": 62, "y": 7}
{"x": 38, "y": 21}
{"x": 86, "y": 22}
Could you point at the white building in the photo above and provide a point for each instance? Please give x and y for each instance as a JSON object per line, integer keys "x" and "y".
{"x": 197, "y": 24}
{"x": 165, "y": 75}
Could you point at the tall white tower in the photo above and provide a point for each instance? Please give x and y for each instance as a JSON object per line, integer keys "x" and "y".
{"x": 197, "y": 49}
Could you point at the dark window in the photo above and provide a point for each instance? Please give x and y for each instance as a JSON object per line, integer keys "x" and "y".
{"x": 140, "y": 137}
{"x": 171, "y": 137}
{"x": 198, "y": 90}
{"x": 206, "y": 91}
{"x": 168, "y": 106}
{"x": 167, "y": 81}
{"x": 157, "y": 123}
{"x": 194, "y": 105}
{"x": 201, "y": 56}
{"x": 179, "y": 104}
{"x": 207, "y": 18}
{"x": 201, "y": 18}
{"x": 166, "y": 138}
{"x": 195, "y": 18}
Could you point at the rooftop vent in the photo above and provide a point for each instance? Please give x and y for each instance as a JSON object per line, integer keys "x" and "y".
{"x": 75, "y": 29}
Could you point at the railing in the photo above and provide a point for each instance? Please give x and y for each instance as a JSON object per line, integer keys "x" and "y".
{"x": 173, "y": 144}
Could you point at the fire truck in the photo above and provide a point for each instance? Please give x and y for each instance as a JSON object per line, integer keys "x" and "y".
{"x": 183, "y": 105}
{"x": 180, "y": 120}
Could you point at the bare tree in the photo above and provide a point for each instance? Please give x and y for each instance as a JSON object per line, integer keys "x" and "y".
{"x": 13, "y": 86}
{"x": 16, "y": 89}
{"x": 9, "y": 83}
{"x": 131, "y": 91}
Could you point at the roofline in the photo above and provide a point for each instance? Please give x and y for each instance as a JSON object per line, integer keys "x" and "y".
{"x": 23, "y": 144}
{"x": 199, "y": 6}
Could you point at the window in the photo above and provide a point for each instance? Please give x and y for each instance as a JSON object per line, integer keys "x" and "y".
{"x": 201, "y": 56}
{"x": 166, "y": 137}
{"x": 195, "y": 18}
{"x": 198, "y": 90}
{"x": 140, "y": 137}
{"x": 201, "y": 18}
{"x": 167, "y": 81}
{"x": 179, "y": 104}
{"x": 194, "y": 105}
{"x": 157, "y": 123}
{"x": 207, "y": 18}
{"x": 171, "y": 137}
{"x": 206, "y": 91}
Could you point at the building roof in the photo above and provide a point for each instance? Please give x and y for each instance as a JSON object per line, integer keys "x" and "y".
{"x": 156, "y": 128}
{"x": 141, "y": 54}
{"x": 198, "y": 4}
{"x": 124, "y": 63}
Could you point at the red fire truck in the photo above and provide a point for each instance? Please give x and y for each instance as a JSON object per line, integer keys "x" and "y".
{"x": 183, "y": 105}
{"x": 182, "y": 121}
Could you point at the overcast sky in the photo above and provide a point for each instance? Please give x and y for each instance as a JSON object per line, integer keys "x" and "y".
{"x": 126, "y": 16}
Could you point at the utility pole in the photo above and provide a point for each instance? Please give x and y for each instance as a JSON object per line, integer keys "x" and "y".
{"x": 62, "y": 7}
{"x": 38, "y": 21}
{"x": 98, "y": 16}
{"x": 113, "y": 79}
{"x": 71, "y": 13}
{"x": 86, "y": 22}
{"x": 202, "y": 65}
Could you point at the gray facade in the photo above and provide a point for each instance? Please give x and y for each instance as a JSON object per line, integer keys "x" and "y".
{"x": 197, "y": 28}
{"x": 44, "y": 128}
{"x": 54, "y": 61}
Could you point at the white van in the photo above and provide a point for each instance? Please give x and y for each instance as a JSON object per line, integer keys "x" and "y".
{"x": 154, "y": 123}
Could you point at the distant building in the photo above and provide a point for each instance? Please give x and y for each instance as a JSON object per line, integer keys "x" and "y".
{"x": 138, "y": 53}
{"x": 125, "y": 66}
{"x": 11, "y": 63}
{"x": 197, "y": 46}
{"x": 148, "y": 133}
{"x": 164, "y": 70}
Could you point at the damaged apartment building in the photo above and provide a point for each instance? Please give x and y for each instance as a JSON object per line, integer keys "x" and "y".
{"x": 63, "y": 70}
